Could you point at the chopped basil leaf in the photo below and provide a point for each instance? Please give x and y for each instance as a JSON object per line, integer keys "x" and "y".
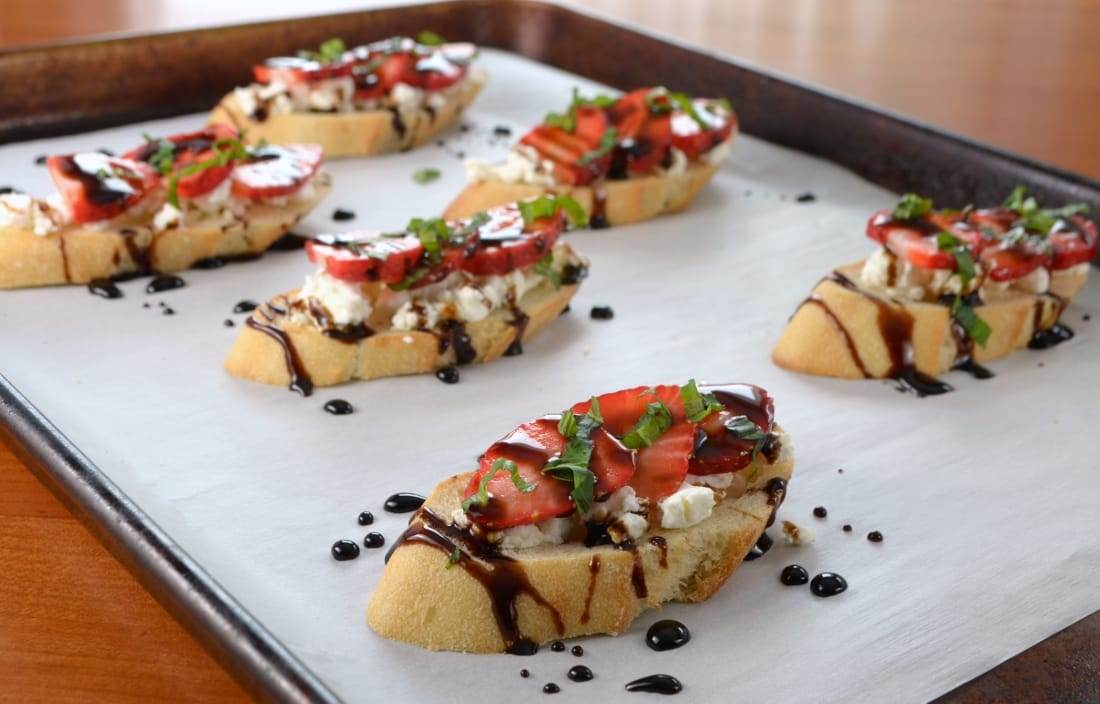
{"x": 698, "y": 406}
{"x": 607, "y": 143}
{"x": 568, "y": 120}
{"x": 429, "y": 38}
{"x": 653, "y": 423}
{"x": 475, "y": 223}
{"x": 1036, "y": 219}
{"x": 975, "y": 327}
{"x": 567, "y": 424}
{"x": 545, "y": 267}
{"x": 481, "y": 498}
{"x": 433, "y": 233}
{"x": 547, "y": 206}
{"x": 426, "y": 175}
{"x": 572, "y": 464}
{"x": 912, "y": 206}
{"x": 743, "y": 428}
{"x": 329, "y": 52}
{"x": 164, "y": 158}
{"x": 225, "y": 151}
{"x": 455, "y": 556}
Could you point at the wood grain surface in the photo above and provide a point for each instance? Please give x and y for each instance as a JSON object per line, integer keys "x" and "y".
{"x": 74, "y": 626}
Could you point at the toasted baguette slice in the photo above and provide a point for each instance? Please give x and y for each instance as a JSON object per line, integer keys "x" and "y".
{"x": 420, "y": 601}
{"x": 77, "y": 255}
{"x": 837, "y": 332}
{"x": 623, "y": 202}
{"x": 325, "y": 361}
{"x": 352, "y": 133}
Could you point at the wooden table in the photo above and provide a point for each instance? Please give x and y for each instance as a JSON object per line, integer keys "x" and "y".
{"x": 74, "y": 626}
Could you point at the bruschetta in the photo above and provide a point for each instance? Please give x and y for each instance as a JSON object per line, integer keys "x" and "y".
{"x": 575, "y": 523}
{"x": 435, "y": 296}
{"x": 387, "y": 96}
{"x": 623, "y": 159}
{"x": 946, "y": 289}
{"x": 161, "y": 207}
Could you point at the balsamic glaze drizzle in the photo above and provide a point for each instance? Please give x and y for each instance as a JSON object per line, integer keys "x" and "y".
{"x": 656, "y": 684}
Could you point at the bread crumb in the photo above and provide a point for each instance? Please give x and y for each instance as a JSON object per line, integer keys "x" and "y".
{"x": 794, "y": 535}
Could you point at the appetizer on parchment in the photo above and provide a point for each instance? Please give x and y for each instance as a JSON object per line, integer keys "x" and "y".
{"x": 387, "y": 96}
{"x": 623, "y": 159}
{"x": 947, "y": 289}
{"x": 574, "y": 523}
{"x": 161, "y": 207}
{"x": 436, "y": 295}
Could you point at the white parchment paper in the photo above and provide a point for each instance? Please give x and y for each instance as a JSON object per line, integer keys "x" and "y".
{"x": 987, "y": 496}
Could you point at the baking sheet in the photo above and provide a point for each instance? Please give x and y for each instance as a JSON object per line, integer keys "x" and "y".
{"x": 986, "y": 496}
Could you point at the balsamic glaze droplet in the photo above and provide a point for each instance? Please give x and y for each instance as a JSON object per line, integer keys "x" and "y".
{"x": 343, "y": 215}
{"x": 847, "y": 528}
{"x": 366, "y": 518}
{"x": 287, "y": 243}
{"x": 763, "y": 545}
{"x": 875, "y": 536}
{"x": 806, "y": 197}
{"x": 374, "y": 539}
{"x": 1054, "y": 335}
{"x": 657, "y": 684}
{"x": 209, "y": 263}
{"x": 525, "y": 673}
{"x": 448, "y": 375}
{"x": 228, "y": 323}
{"x": 566, "y": 309}
{"x": 514, "y": 350}
{"x": 828, "y": 584}
{"x": 557, "y": 646}
{"x": 345, "y": 550}
{"x": 339, "y": 407}
{"x": 523, "y": 646}
{"x": 502, "y": 131}
{"x": 403, "y": 502}
{"x": 550, "y": 688}
{"x": 601, "y": 313}
{"x": 820, "y": 512}
{"x": 580, "y": 673}
{"x": 104, "y": 288}
{"x": 169, "y": 311}
{"x": 577, "y": 650}
{"x": 667, "y": 635}
{"x": 40, "y": 159}
{"x": 4, "y": 190}
{"x": 164, "y": 282}
{"x": 794, "y": 575}
{"x": 145, "y": 305}
{"x": 105, "y": 151}
{"x": 245, "y": 306}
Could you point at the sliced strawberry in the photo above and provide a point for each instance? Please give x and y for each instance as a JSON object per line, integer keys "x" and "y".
{"x": 565, "y": 150}
{"x": 438, "y": 80}
{"x": 530, "y": 446}
{"x": 97, "y": 187}
{"x": 276, "y": 171}
{"x": 648, "y": 149}
{"x": 630, "y": 113}
{"x": 188, "y": 149}
{"x": 367, "y": 258}
{"x": 291, "y": 70}
{"x": 622, "y": 409}
{"x": 1074, "y": 242}
{"x": 591, "y": 125}
{"x": 613, "y": 463}
{"x": 398, "y": 68}
{"x": 503, "y": 246}
{"x": 663, "y": 465}
{"x": 1008, "y": 262}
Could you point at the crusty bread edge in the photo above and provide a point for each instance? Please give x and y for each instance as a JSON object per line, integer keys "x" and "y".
{"x": 258, "y": 357}
{"x": 624, "y": 201}
{"x": 813, "y": 343}
{"x": 420, "y": 601}
{"x": 353, "y": 133}
{"x": 78, "y": 255}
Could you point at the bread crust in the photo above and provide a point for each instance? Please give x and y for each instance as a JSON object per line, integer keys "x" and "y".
{"x": 419, "y": 601}
{"x": 326, "y": 361}
{"x": 77, "y": 255}
{"x": 624, "y": 201}
{"x": 842, "y": 337}
{"x": 351, "y": 133}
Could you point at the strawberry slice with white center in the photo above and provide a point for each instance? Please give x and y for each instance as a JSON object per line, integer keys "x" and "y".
{"x": 1074, "y": 242}
{"x": 95, "y": 186}
{"x": 367, "y": 257}
{"x": 622, "y": 409}
{"x": 504, "y": 243}
{"x": 1011, "y": 260}
{"x": 530, "y": 447}
{"x": 276, "y": 171}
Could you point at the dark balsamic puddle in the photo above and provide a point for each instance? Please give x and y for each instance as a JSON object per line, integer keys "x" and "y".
{"x": 164, "y": 282}
{"x": 656, "y": 684}
{"x": 339, "y": 407}
{"x": 667, "y": 634}
{"x": 403, "y": 502}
